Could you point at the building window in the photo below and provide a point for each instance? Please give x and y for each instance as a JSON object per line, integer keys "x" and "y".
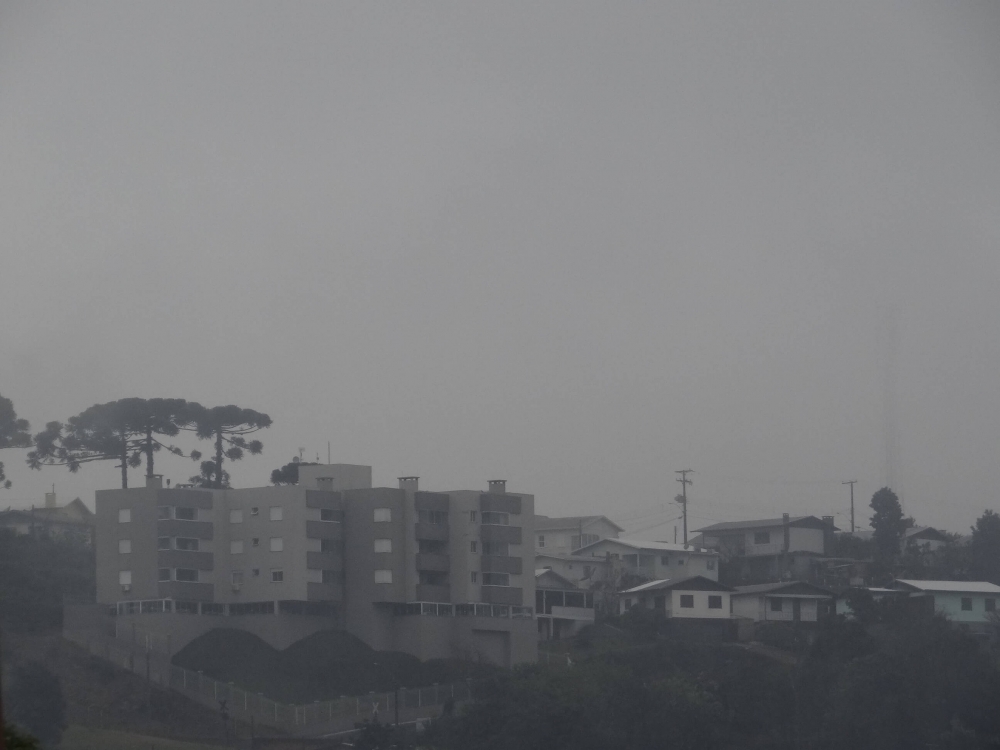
{"x": 715, "y": 602}
{"x": 124, "y": 546}
{"x": 277, "y": 544}
{"x": 383, "y": 576}
{"x": 163, "y": 542}
{"x": 255, "y": 511}
{"x": 710, "y": 564}
{"x": 681, "y": 561}
{"x": 491, "y": 517}
{"x": 383, "y": 545}
{"x": 966, "y": 604}
{"x": 762, "y": 537}
{"x": 163, "y": 574}
{"x": 472, "y": 546}
{"x": 383, "y": 515}
{"x": 435, "y": 517}
{"x": 236, "y": 547}
{"x": 498, "y": 548}
{"x": 776, "y": 605}
{"x": 475, "y": 576}
{"x": 277, "y": 514}
{"x": 472, "y": 516}
{"x": 327, "y": 514}
{"x": 541, "y": 540}
{"x": 583, "y": 540}
{"x": 687, "y": 601}
{"x": 163, "y": 512}
{"x": 277, "y": 575}
{"x": 186, "y": 574}
{"x": 991, "y": 605}
{"x": 237, "y": 577}
{"x": 125, "y": 515}
{"x": 125, "y": 577}
{"x": 496, "y": 579}
{"x": 190, "y": 545}
{"x": 186, "y": 514}
{"x": 236, "y": 516}
{"x": 255, "y": 542}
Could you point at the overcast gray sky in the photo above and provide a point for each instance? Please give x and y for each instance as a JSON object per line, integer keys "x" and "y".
{"x": 577, "y": 246}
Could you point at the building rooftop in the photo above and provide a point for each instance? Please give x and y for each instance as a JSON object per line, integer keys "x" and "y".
{"x": 642, "y": 544}
{"x": 550, "y": 523}
{"x": 808, "y": 521}
{"x": 693, "y": 583}
{"x": 773, "y": 588}
{"x": 964, "y": 587}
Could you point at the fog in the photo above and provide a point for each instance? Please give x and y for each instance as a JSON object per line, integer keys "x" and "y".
{"x": 575, "y": 246}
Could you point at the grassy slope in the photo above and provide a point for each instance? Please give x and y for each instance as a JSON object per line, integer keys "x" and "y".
{"x": 88, "y": 738}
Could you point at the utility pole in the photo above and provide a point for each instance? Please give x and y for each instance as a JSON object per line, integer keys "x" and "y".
{"x": 852, "y": 483}
{"x": 683, "y": 498}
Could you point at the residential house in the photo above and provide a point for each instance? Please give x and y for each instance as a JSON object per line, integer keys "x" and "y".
{"x": 695, "y": 597}
{"x": 567, "y": 534}
{"x": 73, "y": 521}
{"x": 583, "y": 571}
{"x": 791, "y": 601}
{"x": 970, "y": 604}
{"x": 561, "y": 607}
{"x": 654, "y": 560}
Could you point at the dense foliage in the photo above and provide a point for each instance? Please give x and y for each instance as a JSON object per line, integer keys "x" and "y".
{"x": 15, "y": 739}
{"x": 35, "y": 702}
{"x": 14, "y": 433}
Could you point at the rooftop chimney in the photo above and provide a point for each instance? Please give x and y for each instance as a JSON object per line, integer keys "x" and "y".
{"x": 408, "y": 483}
{"x": 498, "y": 486}
{"x": 50, "y": 499}
{"x": 155, "y": 481}
{"x": 325, "y": 483}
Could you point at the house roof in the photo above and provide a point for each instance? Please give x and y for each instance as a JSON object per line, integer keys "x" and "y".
{"x": 964, "y": 587}
{"x": 687, "y": 583}
{"x": 791, "y": 588}
{"x": 642, "y": 544}
{"x": 589, "y": 559}
{"x": 562, "y": 582}
{"x": 801, "y": 521}
{"x": 928, "y": 532}
{"x": 548, "y": 523}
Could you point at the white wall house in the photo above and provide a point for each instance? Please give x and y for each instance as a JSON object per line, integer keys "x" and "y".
{"x": 969, "y": 603}
{"x": 656, "y": 560}
{"x": 690, "y": 597}
{"x": 794, "y": 601}
{"x": 770, "y": 536}
{"x": 567, "y": 534}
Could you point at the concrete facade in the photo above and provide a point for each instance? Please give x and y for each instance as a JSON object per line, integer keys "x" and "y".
{"x": 435, "y": 574}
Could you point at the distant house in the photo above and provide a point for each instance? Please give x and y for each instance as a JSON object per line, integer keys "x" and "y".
{"x": 792, "y": 601}
{"x": 567, "y": 534}
{"x": 971, "y": 604}
{"x": 71, "y": 521}
{"x": 656, "y": 560}
{"x": 916, "y": 537}
{"x": 561, "y": 608}
{"x": 772, "y": 549}
{"x": 582, "y": 571}
{"x": 687, "y": 597}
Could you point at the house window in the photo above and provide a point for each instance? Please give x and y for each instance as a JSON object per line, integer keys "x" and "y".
{"x": 124, "y": 515}
{"x": 277, "y": 514}
{"x": 277, "y": 544}
{"x": 583, "y": 540}
{"x": 991, "y": 605}
{"x": 186, "y": 574}
{"x": 496, "y": 579}
{"x": 330, "y": 545}
{"x": 163, "y": 512}
{"x": 236, "y": 547}
{"x": 710, "y": 564}
{"x": 327, "y": 514}
{"x": 472, "y": 546}
{"x": 762, "y": 537}
{"x": 715, "y": 602}
{"x": 497, "y": 548}
{"x": 435, "y": 517}
{"x": 255, "y": 511}
{"x": 475, "y": 576}
{"x": 966, "y": 604}
{"x": 681, "y": 561}
{"x": 191, "y": 545}
{"x": 125, "y": 577}
{"x": 383, "y": 515}
{"x": 277, "y": 575}
{"x": 687, "y": 601}
{"x": 163, "y": 542}
{"x": 163, "y": 574}
{"x": 776, "y": 605}
{"x": 237, "y": 577}
{"x": 255, "y": 542}
{"x": 494, "y": 518}
{"x": 186, "y": 514}
{"x": 383, "y": 576}
{"x": 541, "y": 540}
{"x": 383, "y": 545}
{"x": 124, "y": 546}
{"x": 472, "y": 516}
{"x": 236, "y": 516}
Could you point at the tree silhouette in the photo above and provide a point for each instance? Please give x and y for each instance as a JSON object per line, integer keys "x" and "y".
{"x": 985, "y": 547}
{"x": 888, "y": 524}
{"x": 227, "y": 426}
{"x": 289, "y": 473}
{"x": 13, "y": 432}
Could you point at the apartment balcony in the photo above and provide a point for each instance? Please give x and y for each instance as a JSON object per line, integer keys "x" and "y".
{"x": 178, "y": 558}
{"x": 325, "y": 592}
{"x": 436, "y": 501}
{"x": 500, "y": 503}
{"x": 502, "y": 595}
{"x": 432, "y": 532}
{"x": 324, "y": 530}
{"x": 427, "y": 592}
{"x": 433, "y": 562}
{"x": 190, "y": 529}
{"x": 501, "y": 564}
{"x": 186, "y": 591}
{"x": 507, "y": 534}
{"x": 324, "y": 561}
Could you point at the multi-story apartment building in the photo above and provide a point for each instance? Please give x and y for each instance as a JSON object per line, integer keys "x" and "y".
{"x": 435, "y": 574}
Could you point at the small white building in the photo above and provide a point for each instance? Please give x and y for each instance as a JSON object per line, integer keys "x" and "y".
{"x": 656, "y": 560}
{"x": 972, "y": 604}
{"x": 690, "y": 597}
{"x": 566, "y": 534}
{"x": 792, "y": 601}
